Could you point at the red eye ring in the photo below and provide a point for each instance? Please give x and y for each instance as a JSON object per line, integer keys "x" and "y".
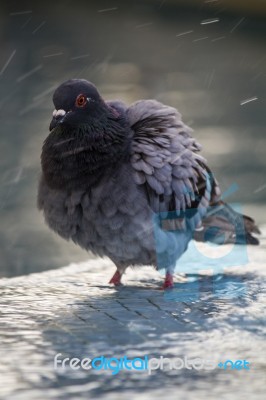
{"x": 81, "y": 100}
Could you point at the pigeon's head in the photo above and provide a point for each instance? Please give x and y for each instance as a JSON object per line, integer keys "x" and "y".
{"x": 76, "y": 102}
{"x": 88, "y": 137}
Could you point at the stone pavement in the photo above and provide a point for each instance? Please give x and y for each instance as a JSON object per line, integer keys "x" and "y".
{"x": 75, "y": 312}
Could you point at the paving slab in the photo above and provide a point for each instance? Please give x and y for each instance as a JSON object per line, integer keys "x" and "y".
{"x": 73, "y": 311}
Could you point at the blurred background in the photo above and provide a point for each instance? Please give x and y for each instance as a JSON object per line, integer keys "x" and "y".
{"x": 205, "y": 57}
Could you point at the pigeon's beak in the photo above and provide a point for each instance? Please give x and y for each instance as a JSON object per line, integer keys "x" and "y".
{"x": 58, "y": 116}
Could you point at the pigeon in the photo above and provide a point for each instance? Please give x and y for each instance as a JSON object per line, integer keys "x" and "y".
{"x": 130, "y": 183}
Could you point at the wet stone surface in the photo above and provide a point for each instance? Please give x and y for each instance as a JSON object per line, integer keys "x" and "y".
{"x": 75, "y": 312}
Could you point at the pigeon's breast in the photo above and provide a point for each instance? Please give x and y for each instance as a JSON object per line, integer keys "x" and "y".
{"x": 113, "y": 218}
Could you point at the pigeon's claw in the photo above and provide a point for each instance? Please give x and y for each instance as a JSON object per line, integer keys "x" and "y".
{"x": 116, "y": 279}
{"x": 168, "y": 282}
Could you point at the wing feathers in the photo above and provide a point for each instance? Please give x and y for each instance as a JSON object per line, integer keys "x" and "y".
{"x": 165, "y": 157}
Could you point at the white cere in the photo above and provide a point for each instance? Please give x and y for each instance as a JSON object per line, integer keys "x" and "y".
{"x": 57, "y": 113}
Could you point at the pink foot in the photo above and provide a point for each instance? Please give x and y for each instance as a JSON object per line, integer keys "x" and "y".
{"x": 168, "y": 282}
{"x": 116, "y": 279}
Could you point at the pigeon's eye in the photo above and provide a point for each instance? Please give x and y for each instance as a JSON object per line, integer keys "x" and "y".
{"x": 81, "y": 100}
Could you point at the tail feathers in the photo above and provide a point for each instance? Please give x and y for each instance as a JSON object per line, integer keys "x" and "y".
{"x": 250, "y": 225}
{"x": 224, "y": 225}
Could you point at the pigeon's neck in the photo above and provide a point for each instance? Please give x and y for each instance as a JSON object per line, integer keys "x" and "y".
{"x": 78, "y": 159}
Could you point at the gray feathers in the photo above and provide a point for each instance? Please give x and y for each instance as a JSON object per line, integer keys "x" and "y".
{"x": 163, "y": 173}
{"x": 164, "y": 154}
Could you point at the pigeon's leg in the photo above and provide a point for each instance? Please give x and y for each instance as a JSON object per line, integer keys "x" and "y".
{"x": 169, "y": 278}
{"x": 168, "y": 281}
{"x": 116, "y": 279}
{"x": 183, "y": 237}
